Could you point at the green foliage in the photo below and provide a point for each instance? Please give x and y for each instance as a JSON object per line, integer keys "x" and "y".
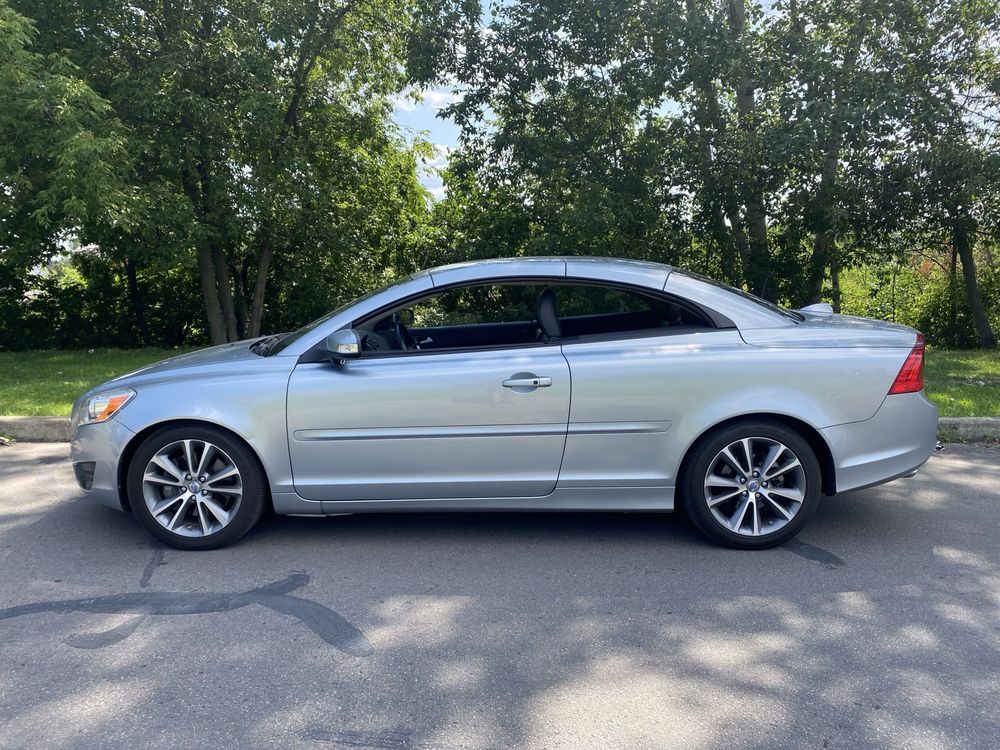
{"x": 232, "y": 168}
{"x": 254, "y": 144}
{"x": 923, "y": 294}
{"x": 769, "y": 149}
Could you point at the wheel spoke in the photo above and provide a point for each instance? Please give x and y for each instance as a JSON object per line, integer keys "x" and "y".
{"x": 728, "y": 455}
{"x": 718, "y": 499}
{"x": 772, "y": 455}
{"x": 792, "y": 493}
{"x": 189, "y": 457}
{"x": 756, "y": 518}
{"x": 778, "y": 507}
{"x": 736, "y": 520}
{"x": 236, "y": 490}
{"x": 164, "y": 462}
{"x": 200, "y": 506}
{"x": 216, "y": 510}
{"x": 158, "y": 508}
{"x": 221, "y": 474}
{"x": 748, "y": 452}
{"x": 793, "y": 464}
{"x": 203, "y": 463}
{"x": 157, "y": 479}
{"x": 179, "y": 515}
{"x": 714, "y": 480}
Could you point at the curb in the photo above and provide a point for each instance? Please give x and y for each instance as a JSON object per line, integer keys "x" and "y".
{"x": 36, "y": 429}
{"x": 969, "y": 429}
{"x": 56, "y": 429}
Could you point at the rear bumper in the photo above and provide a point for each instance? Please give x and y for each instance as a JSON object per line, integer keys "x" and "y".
{"x": 892, "y": 444}
{"x": 95, "y": 451}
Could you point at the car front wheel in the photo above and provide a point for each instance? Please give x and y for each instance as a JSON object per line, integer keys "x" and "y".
{"x": 752, "y": 485}
{"x": 196, "y": 487}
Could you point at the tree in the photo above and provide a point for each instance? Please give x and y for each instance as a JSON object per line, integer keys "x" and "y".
{"x": 753, "y": 145}
{"x": 249, "y": 126}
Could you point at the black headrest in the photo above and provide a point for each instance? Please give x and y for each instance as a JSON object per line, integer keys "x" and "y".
{"x": 548, "y": 316}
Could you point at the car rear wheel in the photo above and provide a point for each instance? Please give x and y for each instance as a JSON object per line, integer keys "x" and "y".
{"x": 196, "y": 487}
{"x": 752, "y": 485}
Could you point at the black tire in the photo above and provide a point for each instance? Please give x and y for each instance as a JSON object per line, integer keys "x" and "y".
{"x": 252, "y": 503}
{"x": 692, "y": 491}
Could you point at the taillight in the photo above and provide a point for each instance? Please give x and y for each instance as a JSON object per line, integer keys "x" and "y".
{"x": 911, "y": 375}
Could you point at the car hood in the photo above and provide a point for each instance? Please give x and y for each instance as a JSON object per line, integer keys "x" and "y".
{"x": 832, "y": 330}
{"x": 227, "y": 357}
{"x": 214, "y": 355}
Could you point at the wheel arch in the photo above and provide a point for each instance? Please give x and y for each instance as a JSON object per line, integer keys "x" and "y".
{"x": 133, "y": 444}
{"x": 828, "y": 472}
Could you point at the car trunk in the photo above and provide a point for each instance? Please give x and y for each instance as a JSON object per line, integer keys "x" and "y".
{"x": 833, "y": 331}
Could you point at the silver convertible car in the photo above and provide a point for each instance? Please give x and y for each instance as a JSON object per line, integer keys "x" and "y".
{"x": 524, "y": 384}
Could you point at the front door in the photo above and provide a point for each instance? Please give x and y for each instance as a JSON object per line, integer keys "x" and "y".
{"x": 479, "y": 424}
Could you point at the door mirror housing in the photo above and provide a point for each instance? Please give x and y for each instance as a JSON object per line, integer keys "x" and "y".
{"x": 344, "y": 344}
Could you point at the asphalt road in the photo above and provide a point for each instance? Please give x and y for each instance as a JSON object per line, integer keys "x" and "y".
{"x": 879, "y": 627}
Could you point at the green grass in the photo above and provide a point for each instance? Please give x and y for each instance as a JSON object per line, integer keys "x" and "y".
{"x": 961, "y": 383}
{"x": 48, "y": 382}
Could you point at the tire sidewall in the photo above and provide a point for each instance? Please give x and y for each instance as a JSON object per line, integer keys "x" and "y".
{"x": 252, "y": 502}
{"x": 705, "y": 451}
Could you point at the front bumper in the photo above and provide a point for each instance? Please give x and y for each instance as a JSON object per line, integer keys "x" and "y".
{"x": 892, "y": 444}
{"x": 96, "y": 450}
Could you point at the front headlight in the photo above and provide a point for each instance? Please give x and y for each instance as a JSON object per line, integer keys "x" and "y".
{"x": 103, "y": 406}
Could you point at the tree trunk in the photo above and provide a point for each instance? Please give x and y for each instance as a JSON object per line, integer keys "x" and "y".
{"x": 962, "y": 238}
{"x": 733, "y": 241}
{"x": 264, "y": 256}
{"x": 221, "y": 264}
{"x": 953, "y": 297}
{"x": 759, "y": 271}
{"x": 822, "y": 254}
{"x": 835, "y": 284}
{"x": 242, "y": 311}
{"x": 210, "y": 293}
{"x": 135, "y": 298}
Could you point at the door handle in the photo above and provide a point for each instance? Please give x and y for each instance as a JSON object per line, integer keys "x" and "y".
{"x": 531, "y": 382}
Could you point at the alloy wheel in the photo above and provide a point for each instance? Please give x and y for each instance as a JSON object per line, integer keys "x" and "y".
{"x": 192, "y": 488}
{"x": 755, "y": 486}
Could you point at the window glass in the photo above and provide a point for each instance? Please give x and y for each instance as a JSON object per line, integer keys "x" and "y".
{"x": 492, "y": 303}
{"x": 496, "y": 315}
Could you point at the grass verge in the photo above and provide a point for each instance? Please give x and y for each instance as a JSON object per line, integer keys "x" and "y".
{"x": 46, "y": 383}
{"x": 963, "y": 383}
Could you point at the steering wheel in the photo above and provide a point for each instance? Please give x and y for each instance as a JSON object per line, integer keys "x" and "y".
{"x": 403, "y": 336}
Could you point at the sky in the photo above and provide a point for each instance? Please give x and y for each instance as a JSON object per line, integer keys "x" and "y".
{"x": 420, "y": 118}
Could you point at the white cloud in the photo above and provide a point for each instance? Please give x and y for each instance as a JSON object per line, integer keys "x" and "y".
{"x": 435, "y": 99}
{"x": 441, "y": 98}
{"x": 404, "y": 102}
{"x": 441, "y": 154}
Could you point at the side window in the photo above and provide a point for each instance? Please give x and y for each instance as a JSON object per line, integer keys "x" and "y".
{"x": 601, "y": 310}
{"x": 505, "y": 315}
{"x": 599, "y": 300}
{"x": 473, "y": 305}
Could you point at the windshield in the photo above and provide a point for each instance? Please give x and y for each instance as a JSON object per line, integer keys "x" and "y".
{"x": 295, "y": 335}
{"x": 783, "y": 311}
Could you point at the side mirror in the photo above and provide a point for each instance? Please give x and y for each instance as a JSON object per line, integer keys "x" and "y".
{"x": 344, "y": 344}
